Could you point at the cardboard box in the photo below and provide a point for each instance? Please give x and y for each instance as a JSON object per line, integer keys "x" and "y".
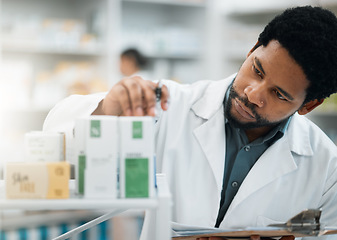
{"x": 97, "y": 167}
{"x": 137, "y": 173}
{"x": 37, "y": 180}
{"x": 44, "y": 146}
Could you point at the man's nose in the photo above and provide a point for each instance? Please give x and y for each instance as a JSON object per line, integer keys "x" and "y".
{"x": 256, "y": 94}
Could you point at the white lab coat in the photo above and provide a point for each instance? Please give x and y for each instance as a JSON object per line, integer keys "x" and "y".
{"x": 297, "y": 172}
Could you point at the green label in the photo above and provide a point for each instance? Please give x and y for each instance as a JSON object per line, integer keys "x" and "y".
{"x": 137, "y": 129}
{"x": 95, "y": 128}
{"x": 136, "y": 177}
{"x": 81, "y": 168}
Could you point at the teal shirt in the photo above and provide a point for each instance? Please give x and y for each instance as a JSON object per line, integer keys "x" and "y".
{"x": 240, "y": 158}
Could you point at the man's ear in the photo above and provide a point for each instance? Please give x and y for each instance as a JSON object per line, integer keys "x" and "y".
{"x": 309, "y": 106}
{"x": 257, "y": 44}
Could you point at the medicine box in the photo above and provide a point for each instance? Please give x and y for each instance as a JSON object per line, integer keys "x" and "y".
{"x": 37, "y": 180}
{"x": 44, "y": 146}
{"x": 97, "y": 156}
{"x": 136, "y": 157}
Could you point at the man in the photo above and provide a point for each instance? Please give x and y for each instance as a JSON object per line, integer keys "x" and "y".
{"x": 237, "y": 152}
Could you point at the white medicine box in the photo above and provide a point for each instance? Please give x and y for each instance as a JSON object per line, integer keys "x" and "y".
{"x": 97, "y": 152}
{"x": 44, "y": 146}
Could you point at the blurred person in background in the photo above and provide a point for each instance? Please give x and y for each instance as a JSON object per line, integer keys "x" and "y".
{"x": 133, "y": 62}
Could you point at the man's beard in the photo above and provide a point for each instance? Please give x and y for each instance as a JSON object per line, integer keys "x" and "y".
{"x": 259, "y": 120}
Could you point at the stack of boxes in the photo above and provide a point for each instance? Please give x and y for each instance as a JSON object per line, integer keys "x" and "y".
{"x": 115, "y": 157}
{"x": 44, "y": 174}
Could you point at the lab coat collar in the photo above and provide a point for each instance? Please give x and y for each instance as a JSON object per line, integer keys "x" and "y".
{"x": 212, "y": 99}
{"x": 299, "y": 136}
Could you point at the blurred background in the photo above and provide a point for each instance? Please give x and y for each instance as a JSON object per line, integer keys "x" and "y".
{"x": 50, "y": 49}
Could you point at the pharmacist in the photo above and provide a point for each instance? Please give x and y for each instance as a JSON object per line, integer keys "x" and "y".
{"x": 238, "y": 152}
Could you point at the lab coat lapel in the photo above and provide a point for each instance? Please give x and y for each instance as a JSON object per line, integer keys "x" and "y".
{"x": 210, "y": 134}
{"x": 274, "y": 163}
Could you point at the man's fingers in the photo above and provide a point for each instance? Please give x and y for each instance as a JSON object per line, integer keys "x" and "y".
{"x": 255, "y": 237}
{"x": 165, "y": 96}
{"x": 122, "y": 95}
{"x": 149, "y": 100}
{"x": 135, "y": 95}
{"x": 288, "y": 238}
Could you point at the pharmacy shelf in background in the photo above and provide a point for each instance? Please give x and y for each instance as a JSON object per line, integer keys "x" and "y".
{"x": 173, "y": 56}
{"x": 189, "y": 3}
{"x": 57, "y": 51}
{"x": 262, "y": 7}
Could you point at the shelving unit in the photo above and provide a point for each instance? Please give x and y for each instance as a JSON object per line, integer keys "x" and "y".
{"x": 51, "y": 49}
{"x": 170, "y": 33}
{"x": 159, "y": 208}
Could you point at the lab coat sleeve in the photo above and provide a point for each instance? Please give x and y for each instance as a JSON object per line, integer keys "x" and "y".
{"x": 62, "y": 116}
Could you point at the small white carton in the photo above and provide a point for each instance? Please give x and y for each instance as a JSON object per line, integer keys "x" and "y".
{"x": 137, "y": 173}
{"x": 44, "y": 146}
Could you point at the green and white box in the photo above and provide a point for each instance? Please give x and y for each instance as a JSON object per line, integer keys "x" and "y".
{"x": 136, "y": 157}
{"x": 80, "y": 153}
{"x": 101, "y": 146}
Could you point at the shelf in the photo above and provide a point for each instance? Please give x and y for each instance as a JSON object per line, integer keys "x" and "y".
{"x": 74, "y": 203}
{"x": 158, "y": 222}
{"x": 253, "y": 9}
{"x": 173, "y": 56}
{"x": 170, "y": 2}
{"x": 51, "y": 50}
{"x": 254, "y": 12}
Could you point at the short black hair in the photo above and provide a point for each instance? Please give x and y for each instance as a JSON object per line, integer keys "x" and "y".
{"x": 310, "y": 36}
{"x": 135, "y": 54}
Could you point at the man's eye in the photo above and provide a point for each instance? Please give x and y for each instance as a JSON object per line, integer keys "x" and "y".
{"x": 279, "y": 95}
{"x": 257, "y": 71}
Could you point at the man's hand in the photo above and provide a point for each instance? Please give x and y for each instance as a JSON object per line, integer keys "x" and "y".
{"x": 132, "y": 96}
{"x": 254, "y": 237}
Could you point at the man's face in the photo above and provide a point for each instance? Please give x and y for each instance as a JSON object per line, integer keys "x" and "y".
{"x": 269, "y": 87}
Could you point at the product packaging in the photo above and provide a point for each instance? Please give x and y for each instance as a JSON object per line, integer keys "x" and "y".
{"x": 37, "y": 180}
{"x": 137, "y": 171}
{"x": 97, "y": 156}
{"x": 44, "y": 146}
